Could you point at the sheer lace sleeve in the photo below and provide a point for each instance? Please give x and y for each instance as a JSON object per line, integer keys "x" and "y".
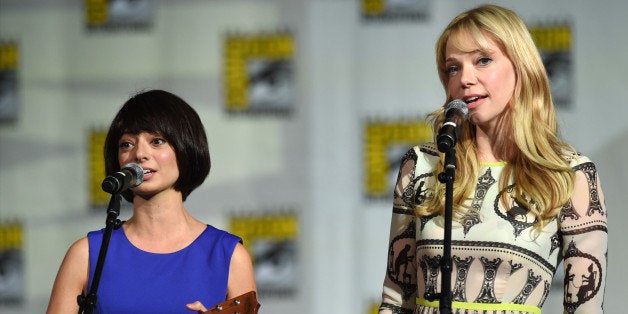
{"x": 584, "y": 243}
{"x": 401, "y": 272}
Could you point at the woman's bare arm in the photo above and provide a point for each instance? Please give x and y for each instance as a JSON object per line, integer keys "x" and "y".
{"x": 71, "y": 279}
{"x": 241, "y": 276}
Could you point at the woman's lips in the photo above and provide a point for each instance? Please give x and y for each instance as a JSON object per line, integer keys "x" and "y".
{"x": 474, "y": 101}
{"x": 148, "y": 173}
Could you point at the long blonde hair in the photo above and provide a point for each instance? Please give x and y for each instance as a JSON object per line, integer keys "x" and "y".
{"x": 528, "y": 130}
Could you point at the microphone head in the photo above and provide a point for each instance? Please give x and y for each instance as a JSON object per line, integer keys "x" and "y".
{"x": 458, "y": 105}
{"x": 138, "y": 173}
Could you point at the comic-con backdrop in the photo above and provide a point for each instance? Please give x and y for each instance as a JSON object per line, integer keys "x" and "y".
{"x": 309, "y": 107}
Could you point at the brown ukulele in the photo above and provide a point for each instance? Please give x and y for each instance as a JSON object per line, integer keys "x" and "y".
{"x": 243, "y": 304}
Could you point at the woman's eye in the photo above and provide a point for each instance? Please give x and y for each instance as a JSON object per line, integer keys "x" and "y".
{"x": 451, "y": 70}
{"x": 484, "y": 60}
{"x": 159, "y": 141}
{"x": 124, "y": 145}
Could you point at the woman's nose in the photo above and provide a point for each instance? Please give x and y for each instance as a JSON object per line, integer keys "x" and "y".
{"x": 141, "y": 151}
{"x": 467, "y": 76}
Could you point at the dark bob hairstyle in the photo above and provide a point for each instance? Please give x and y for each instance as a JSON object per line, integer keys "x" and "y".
{"x": 158, "y": 111}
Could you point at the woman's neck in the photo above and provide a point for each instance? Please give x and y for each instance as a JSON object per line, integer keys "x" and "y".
{"x": 162, "y": 215}
{"x": 484, "y": 142}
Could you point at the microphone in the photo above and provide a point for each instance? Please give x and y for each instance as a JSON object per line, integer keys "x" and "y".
{"x": 129, "y": 176}
{"x": 456, "y": 112}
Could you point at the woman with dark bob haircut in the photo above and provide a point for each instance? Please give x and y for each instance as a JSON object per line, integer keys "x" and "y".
{"x": 161, "y": 260}
{"x": 158, "y": 111}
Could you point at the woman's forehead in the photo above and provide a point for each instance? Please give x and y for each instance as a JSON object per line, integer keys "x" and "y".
{"x": 466, "y": 40}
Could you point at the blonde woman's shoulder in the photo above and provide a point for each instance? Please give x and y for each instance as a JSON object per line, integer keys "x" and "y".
{"x": 575, "y": 158}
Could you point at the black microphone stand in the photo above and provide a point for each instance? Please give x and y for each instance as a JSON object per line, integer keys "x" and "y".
{"x": 87, "y": 303}
{"x": 456, "y": 112}
{"x": 447, "y": 177}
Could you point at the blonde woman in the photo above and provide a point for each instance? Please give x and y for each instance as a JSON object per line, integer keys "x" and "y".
{"x": 524, "y": 200}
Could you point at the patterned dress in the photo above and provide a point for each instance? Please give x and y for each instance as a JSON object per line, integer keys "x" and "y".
{"x": 501, "y": 263}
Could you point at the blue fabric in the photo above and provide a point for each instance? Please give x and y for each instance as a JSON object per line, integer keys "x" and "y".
{"x": 135, "y": 281}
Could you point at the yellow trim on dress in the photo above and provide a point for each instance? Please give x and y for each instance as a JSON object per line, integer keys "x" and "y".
{"x": 493, "y": 163}
{"x": 483, "y": 306}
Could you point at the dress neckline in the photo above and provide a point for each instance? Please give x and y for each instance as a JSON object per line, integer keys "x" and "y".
{"x": 128, "y": 242}
{"x": 493, "y": 163}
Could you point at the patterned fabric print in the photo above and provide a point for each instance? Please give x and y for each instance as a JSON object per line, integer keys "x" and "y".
{"x": 393, "y": 309}
{"x": 516, "y": 215}
{"x": 472, "y": 217}
{"x": 462, "y": 266}
{"x": 582, "y": 221}
{"x": 498, "y": 256}
{"x": 401, "y": 261}
{"x": 430, "y": 310}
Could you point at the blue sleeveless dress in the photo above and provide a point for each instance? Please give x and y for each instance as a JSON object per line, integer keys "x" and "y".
{"x": 135, "y": 281}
